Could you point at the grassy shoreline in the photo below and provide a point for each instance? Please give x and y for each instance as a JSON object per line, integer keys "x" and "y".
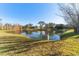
{"x": 10, "y": 46}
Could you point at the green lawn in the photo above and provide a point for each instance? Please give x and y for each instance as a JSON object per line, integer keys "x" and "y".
{"x": 18, "y": 45}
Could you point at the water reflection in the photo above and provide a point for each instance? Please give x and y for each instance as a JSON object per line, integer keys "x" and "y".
{"x": 41, "y": 35}
{"x": 34, "y": 35}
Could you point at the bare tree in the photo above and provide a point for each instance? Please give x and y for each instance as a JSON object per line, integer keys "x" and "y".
{"x": 71, "y": 14}
{"x": 41, "y": 24}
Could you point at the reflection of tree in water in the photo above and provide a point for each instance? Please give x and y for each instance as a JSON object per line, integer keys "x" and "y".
{"x": 41, "y": 35}
{"x": 60, "y": 31}
{"x": 28, "y": 32}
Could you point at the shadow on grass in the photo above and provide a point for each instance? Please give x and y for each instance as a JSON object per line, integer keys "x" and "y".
{"x": 20, "y": 47}
{"x": 70, "y": 34}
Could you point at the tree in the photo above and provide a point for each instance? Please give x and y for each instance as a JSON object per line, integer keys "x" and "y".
{"x": 60, "y": 26}
{"x": 29, "y": 26}
{"x": 71, "y": 15}
{"x": 0, "y": 24}
{"x": 49, "y": 26}
{"x": 41, "y": 24}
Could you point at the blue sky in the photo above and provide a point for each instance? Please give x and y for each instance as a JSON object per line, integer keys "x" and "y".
{"x": 25, "y": 13}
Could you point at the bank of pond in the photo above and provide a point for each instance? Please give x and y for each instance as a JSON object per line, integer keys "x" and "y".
{"x": 41, "y": 35}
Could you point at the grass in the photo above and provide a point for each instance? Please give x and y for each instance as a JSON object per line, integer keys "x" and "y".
{"x": 9, "y": 40}
{"x": 10, "y": 46}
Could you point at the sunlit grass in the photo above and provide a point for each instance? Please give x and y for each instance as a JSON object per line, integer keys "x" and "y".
{"x": 9, "y": 45}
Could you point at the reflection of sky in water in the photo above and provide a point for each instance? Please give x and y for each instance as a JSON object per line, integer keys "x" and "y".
{"x": 33, "y": 35}
{"x": 41, "y": 35}
{"x": 55, "y": 37}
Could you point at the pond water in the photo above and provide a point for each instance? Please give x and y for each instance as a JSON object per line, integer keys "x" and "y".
{"x": 41, "y": 35}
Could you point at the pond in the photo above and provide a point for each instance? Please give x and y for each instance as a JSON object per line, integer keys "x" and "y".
{"x": 42, "y": 35}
